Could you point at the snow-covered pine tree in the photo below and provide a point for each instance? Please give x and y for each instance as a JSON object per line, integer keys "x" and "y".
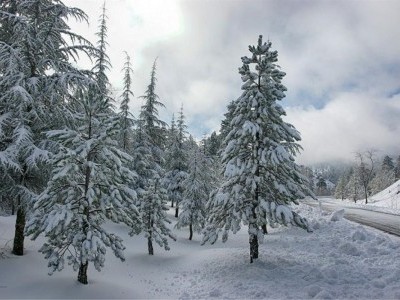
{"x": 261, "y": 179}
{"x": 102, "y": 61}
{"x": 384, "y": 177}
{"x": 177, "y": 163}
{"x": 341, "y": 187}
{"x": 387, "y": 163}
{"x": 309, "y": 174}
{"x": 6, "y": 203}
{"x": 213, "y": 144}
{"x": 321, "y": 186}
{"x": 397, "y": 168}
{"x": 88, "y": 185}
{"x": 226, "y": 126}
{"x": 197, "y": 187}
{"x": 36, "y": 80}
{"x": 169, "y": 159}
{"x": 148, "y": 160}
{"x": 126, "y": 117}
{"x": 6, "y": 27}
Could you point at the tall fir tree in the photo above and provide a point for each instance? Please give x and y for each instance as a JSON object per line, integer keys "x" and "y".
{"x": 261, "y": 179}
{"x": 226, "y": 126}
{"x": 126, "y": 118}
{"x": 177, "y": 167}
{"x": 387, "y": 163}
{"x": 6, "y": 24}
{"x": 152, "y": 202}
{"x": 89, "y": 182}
{"x": 169, "y": 159}
{"x": 102, "y": 61}
{"x": 36, "y": 81}
{"x": 213, "y": 144}
{"x": 88, "y": 186}
{"x": 197, "y": 187}
{"x": 397, "y": 168}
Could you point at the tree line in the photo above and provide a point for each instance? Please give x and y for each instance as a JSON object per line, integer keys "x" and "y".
{"x": 71, "y": 160}
{"x": 368, "y": 176}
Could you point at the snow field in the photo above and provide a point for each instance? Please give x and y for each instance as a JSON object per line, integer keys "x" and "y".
{"x": 339, "y": 259}
{"x": 389, "y": 197}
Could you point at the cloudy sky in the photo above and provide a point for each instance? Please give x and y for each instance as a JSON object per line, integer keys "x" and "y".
{"x": 342, "y": 60}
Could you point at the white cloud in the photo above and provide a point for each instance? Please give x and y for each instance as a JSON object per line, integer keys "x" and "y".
{"x": 349, "y": 123}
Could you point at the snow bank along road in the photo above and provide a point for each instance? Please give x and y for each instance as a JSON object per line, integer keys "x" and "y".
{"x": 389, "y": 223}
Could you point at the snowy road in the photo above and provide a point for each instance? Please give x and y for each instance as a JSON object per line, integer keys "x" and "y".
{"x": 383, "y": 221}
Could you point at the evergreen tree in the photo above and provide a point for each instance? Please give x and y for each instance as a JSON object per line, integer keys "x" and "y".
{"x": 383, "y": 179}
{"x": 321, "y": 186}
{"x": 148, "y": 161}
{"x": 88, "y": 184}
{"x": 387, "y": 163}
{"x": 169, "y": 159}
{"x": 197, "y": 187}
{"x": 261, "y": 179}
{"x": 6, "y": 24}
{"x": 226, "y": 126}
{"x": 309, "y": 174}
{"x": 213, "y": 144}
{"x": 102, "y": 62}
{"x": 397, "y": 169}
{"x": 126, "y": 117}
{"x": 341, "y": 187}
{"x": 35, "y": 83}
{"x": 177, "y": 169}
{"x": 211, "y": 164}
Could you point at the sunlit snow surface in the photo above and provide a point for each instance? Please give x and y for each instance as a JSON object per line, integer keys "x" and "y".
{"x": 338, "y": 260}
{"x": 389, "y": 197}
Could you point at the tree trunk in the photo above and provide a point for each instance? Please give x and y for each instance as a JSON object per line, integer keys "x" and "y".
{"x": 176, "y": 210}
{"x": 264, "y": 229}
{"x": 18, "y": 247}
{"x": 150, "y": 246}
{"x": 172, "y": 203}
{"x": 253, "y": 240}
{"x": 190, "y": 231}
{"x": 82, "y": 275}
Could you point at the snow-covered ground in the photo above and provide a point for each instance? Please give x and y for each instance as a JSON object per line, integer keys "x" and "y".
{"x": 389, "y": 197}
{"x": 338, "y": 260}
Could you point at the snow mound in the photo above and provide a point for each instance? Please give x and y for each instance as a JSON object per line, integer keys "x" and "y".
{"x": 337, "y": 215}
